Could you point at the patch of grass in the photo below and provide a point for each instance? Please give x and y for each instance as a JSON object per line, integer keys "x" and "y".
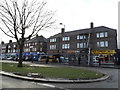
{"x": 53, "y": 72}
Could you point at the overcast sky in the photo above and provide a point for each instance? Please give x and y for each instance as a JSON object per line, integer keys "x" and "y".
{"x": 77, "y": 14}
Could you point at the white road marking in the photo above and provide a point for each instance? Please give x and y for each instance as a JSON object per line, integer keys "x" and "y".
{"x": 47, "y": 85}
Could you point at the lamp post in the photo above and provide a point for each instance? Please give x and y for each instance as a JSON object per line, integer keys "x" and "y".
{"x": 63, "y": 25}
{"x": 60, "y": 48}
{"x": 1, "y": 49}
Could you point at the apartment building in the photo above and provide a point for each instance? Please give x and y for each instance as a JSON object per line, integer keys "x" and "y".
{"x": 84, "y": 45}
{"x": 36, "y": 44}
{"x": 33, "y": 47}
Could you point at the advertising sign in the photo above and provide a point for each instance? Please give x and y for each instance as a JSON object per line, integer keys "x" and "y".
{"x": 103, "y": 52}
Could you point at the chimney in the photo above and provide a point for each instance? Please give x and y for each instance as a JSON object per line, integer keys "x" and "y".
{"x": 62, "y": 30}
{"x": 2, "y": 42}
{"x": 91, "y": 25}
{"x": 37, "y": 35}
{"x": 10, "y": 41}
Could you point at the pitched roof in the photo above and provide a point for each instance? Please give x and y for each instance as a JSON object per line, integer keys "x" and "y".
{"x": 86, "y": 30}
{"x": 38, "y": 38}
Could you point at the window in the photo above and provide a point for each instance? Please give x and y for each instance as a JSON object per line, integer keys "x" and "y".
{"x": 14, "y": 50}
{"x": 35, "y": 43}
{"x": 52, "y": 47}
{"x": 65, "y": 46}
{"x": 9, "y": 46}
{"x": 81, "y": 37}
{"x": 14, "y": 46}
{"x": 8, "y": 51}
{"x": 102, "y": 44}
{"x": 65, "y": 38}
{"x": 53, "y": 40}
{"x": 102, "y": 34}
{"x": 40, "y": 49}
{"x": 41, "y": 43}
{"x": 34, "y": 49}
{"x": 81, "y": 45}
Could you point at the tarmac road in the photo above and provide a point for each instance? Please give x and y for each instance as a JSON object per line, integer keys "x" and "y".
{"x": 11, "y": 83}
{"x": 111, "y": 83}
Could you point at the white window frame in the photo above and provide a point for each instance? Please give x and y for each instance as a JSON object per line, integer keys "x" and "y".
{"x": 82, "y": 45}
{"x": 102, "y": 44}
{"x": 65, "y": 38}
{"x": 14, "y": 46}
{"x": 81, "y": 37}
{"x": 9, "y": 46}
{"x": 101, "y": 34}
{"x": 52, "y": 47}
{"x": 53, "y": 40}
{"x": 65, "y": 46}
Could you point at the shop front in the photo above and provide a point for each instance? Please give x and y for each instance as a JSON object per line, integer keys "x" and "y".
{"x": 103, "y": 56}
{"x": 75, "y": 57}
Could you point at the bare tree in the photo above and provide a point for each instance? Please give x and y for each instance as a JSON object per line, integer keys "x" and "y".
{"x": 21, "y": 18}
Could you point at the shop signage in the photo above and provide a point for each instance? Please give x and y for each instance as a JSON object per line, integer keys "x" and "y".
{"x": 71, "y": 51}
{"x": 103, "y": 52}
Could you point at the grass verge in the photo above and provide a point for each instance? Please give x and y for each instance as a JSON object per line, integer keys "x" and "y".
{"x": 53, "y": 72}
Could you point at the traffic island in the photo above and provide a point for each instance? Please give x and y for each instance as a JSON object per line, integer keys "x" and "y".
{"x": 52, "y": 74}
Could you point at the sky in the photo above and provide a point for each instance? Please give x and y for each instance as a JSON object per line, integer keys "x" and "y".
{"x": 78, "y": 14}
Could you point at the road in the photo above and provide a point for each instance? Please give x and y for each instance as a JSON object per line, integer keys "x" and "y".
{"x": 7, "y": 82}
{"x": 112, "y": 82}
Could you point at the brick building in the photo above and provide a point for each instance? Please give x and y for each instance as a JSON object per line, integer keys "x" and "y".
{"x": 33, "y": 47}
{"x": 82, "y": 46}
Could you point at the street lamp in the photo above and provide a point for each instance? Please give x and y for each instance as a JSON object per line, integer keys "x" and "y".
{"x": 0, "y": 48}
{"x": 60, "y": 48}
{"x": 63, "y": 25}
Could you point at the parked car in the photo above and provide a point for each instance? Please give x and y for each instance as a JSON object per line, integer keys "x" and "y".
{"x": 10, "y": 58}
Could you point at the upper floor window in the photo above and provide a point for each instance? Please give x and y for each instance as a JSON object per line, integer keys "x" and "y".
{"x": 102, "y": 44}
{"x": 41, "y": 49}
{"x": 41, "y": 43}
{"x": 81, "y": 45}
{"x": 65, "y": 46}
{"x": 14, "y": 50}
{"x": 9, "y": 46}
{"x": 102, "y": 34}
{"x": 35, "y": 43}
{"x": 8, "y": 51}
{"x": 53, "y": 40}
{"x": 65, "y": 38}
{"x": 14, "y": 46}
{"x": 81, "y": 37}
{"x": 52, "y": 47}
{"x": 34, "y": 49}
